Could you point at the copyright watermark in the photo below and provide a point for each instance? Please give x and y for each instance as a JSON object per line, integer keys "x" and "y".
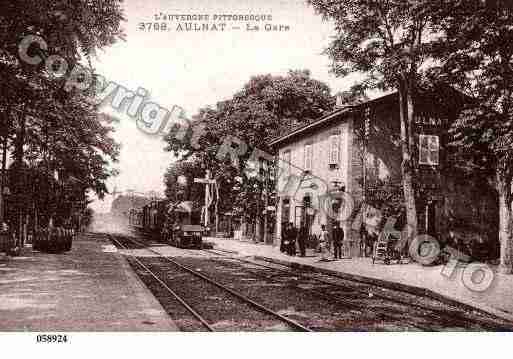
{"x": 292, "y": 181}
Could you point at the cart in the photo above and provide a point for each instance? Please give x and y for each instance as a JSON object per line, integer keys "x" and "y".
{"x": 385, "y": 249}
{"x": 8, "y": 242}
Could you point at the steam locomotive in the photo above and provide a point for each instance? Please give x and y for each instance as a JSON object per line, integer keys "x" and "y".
{"x": 178, "y": 224}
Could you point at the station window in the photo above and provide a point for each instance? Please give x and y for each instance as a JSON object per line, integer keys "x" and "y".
{"x": 429, "y": 147}
{"x": 334, "y": 154}
{"x": 286, "y": 161}
{"x": 308, "y": 157}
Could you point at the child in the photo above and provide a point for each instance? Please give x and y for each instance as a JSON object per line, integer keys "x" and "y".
{"x": 324, "y": 243}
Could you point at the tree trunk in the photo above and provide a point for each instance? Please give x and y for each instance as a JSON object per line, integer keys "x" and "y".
{"x": 407, "y": 119}
{"x": 258, "y": 228}
{"x": 20, "y": 175}
{"x": 258, "y": 220}
{"x": 20, "y": 142}
{"x": 217, "y": 207}
{"x": 3, "y": 178}
{"x": 243, "y": 227}
{"x": 504, "y": 188}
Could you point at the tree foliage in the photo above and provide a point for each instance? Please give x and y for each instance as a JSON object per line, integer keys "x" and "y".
{"x": 48, "y": 129}
{"x": 179, "y": 181}
{"x": 476, "y": 54}
{"x": 389, "y": 42}
{"x": 266, "y": 107}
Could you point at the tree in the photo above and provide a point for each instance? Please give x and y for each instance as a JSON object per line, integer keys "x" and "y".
{"x": 47, "y": 128}
{"x": 185, "y": 171}
{"x": 389, "y": 41}
{"x": 476, "y": 53}
{"x": 266, "y": 107}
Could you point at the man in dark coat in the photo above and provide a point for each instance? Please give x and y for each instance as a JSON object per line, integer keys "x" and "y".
{"x": 363, "y": 240}
{"x": 338, "y": 238}
{"x": 302, "y": 238}
{"x": 291, "y": 238}
{"x": 284, "y": 237}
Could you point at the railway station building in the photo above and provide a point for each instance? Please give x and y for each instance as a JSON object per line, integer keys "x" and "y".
{"x": 353, "y": 156}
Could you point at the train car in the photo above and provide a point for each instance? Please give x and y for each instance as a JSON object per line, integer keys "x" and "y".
{"x": 178, "y": 224}
{"x": 152, "y": 218}
{"x": 135, "y": 218}
{"x": 184, "y": 229}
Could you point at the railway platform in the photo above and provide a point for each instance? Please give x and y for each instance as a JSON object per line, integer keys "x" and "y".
{"x": 413, "y": 277}
{"x": 90, "y": 288}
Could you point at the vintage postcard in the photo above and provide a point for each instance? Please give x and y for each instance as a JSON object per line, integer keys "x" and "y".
{"x": 255, "y": 166}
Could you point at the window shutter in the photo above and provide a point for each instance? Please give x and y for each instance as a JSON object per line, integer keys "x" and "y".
{"x": 334, "y": 157}
{"x": 434, "y": 147}
{"x": 286, "y": 161}
{"x": 308, "y": 157}
{"x": 423, "y": 150}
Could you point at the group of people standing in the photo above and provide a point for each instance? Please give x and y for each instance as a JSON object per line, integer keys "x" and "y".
{"x": 292, "y": 236}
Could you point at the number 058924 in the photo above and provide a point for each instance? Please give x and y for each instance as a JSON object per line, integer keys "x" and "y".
{"x": 52, "y": 338}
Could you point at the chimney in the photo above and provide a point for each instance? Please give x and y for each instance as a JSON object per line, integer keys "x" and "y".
{"x": 339, "y": 100}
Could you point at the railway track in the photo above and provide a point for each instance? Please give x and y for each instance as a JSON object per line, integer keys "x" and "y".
{"x": 336, "y": 297}
{"x": 339, "y": 300}
{"x": 170, "y": 291}
{"x": 365, "y": 303}
{"x": 457, "y": 316}
{"x": 164, "y": 283}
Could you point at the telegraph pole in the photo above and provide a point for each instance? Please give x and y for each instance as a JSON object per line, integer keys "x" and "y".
{"x": 366, "y": 130}
{"x": 217, "y": 206}
{"x": 207, "y": 198}
{"x": 266, "y": 203}
{"x": 206, "y": 181}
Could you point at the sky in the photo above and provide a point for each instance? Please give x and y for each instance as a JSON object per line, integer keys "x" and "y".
{"x": 196, "y": 69}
